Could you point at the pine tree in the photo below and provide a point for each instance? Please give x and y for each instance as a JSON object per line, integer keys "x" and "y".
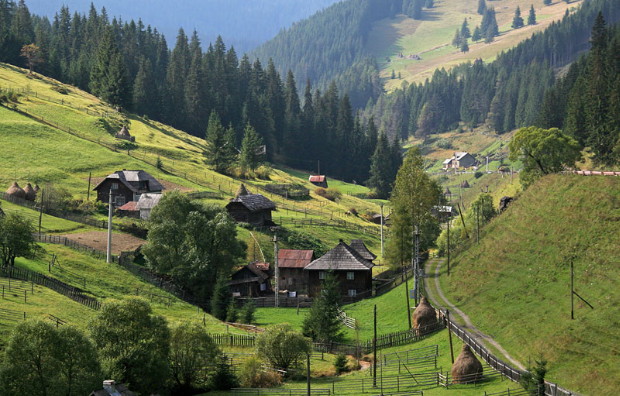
{"x": 220, "y": 143}
{"x": 531, "y": 19}
{"x": 457, "y": 40}
{"x": 381, "y": 169}
{"x": 251, "y": 152}
{"x": 221, "y": 298}
{"x": 482, "y": 7}
{"x": 108, "y": 77}
{"x": 517, "y": 21}
{"x": 476, "y": 36}
{"x": 464, "y": 46}
{"x": 465, "y": 33}
{"x": 144, "y": 90}
{"x": 322, "y": 323}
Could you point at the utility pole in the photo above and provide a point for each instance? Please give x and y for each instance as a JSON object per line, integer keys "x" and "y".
{"x": 308, "y": 373}
{"x": 374, "y": 347}
{"x": 572, "y": 290}
{"x": 477, "y": 224}
{"x": 110, "y": 209}
{"x": 449, "y": 218}
{"x": 417, "y": 265}
{"x": 276, "y": 271}
{"x": 487, "y": 164}
{"x": 41, "y": 212}
{"x": 88, "y": 191}
{"x": 381, "y": 206}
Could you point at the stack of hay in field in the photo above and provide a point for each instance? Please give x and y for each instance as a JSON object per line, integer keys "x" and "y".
{"x": 16, "y": 191}
{"x": 31, "y": 194}
{"x": 424, "y": 317}
{"x": 466, "y": 368}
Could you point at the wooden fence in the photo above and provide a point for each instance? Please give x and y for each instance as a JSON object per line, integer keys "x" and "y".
{"x": 278, "y": 392}
{"x": 60, "y": 240}
{"x": 241, "y": 340}
{"x": 67, "y": 290}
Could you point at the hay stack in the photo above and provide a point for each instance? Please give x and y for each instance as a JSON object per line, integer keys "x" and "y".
{"x": 423, "y": 316}
{"x": 464, "y": 184}
{"x": 31, "y": 194}
{"x": 16, "y": 191}
{"x": 466, "y": 368}
{"x": 37, "y": 188}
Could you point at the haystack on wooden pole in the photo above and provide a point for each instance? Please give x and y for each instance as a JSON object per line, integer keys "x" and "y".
{"x": 31, "y": 195}
{"x": 16, "y": 191}
{"x": 424, "y": 315}
{"x": 467, "y": 368}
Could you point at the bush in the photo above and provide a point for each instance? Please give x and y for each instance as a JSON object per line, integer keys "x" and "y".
{"x": 263, "y": 172}
{"x": 253, "y": 375}
{"x": 60, "y": 89}
{"x": 330, "y": 193}
{"x": 478, "y": 174}
{"x": 247, "y": 312}
{"x": 340, "y": 364}
{"x": 223, "y": 378}
{"x": 353, "y": 211}
{"x": 281, "y": 346}
{"x": 444, "y": 144}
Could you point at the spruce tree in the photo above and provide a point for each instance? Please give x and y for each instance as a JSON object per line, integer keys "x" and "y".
{"x": 531, "y": 19}
{"x": 221, "y": 298}
{"x": 108, "y": 77}
{"x": 465, "y": 33}
{"x": 144, "y": 90}
{"x": 482, "y": 7}
{"x": 220, "y": 152}
{"x": 464, "y": 46}
{"x": 517, "y": 21}
{"x": 381, "y": 169}
{"x": 476, "y": 36}
{"x": 251, "y": 152}
{"x": 457, "y": 40}
{"x": 322, "y": 323}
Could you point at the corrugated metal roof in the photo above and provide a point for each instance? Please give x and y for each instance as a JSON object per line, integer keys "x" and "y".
{"x": 343, "y": 257}
{"x": 254, "y": 202}
{"x": 290, "y": 258}
{"x": 317, "y": 178}
{"x": 148, "y": 201}
{"x": 361, "y": 248}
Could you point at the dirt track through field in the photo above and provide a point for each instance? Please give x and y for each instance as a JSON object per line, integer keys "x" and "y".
{"x": 465, "y": 320}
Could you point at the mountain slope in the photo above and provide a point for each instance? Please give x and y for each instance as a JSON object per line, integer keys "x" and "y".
{"x": 515, "y": 285}
{"x": 243, "y": 24}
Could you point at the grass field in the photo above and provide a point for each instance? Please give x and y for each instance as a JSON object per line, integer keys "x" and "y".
{"x": 516, "y": 283}
{"x": 431, "y": 37}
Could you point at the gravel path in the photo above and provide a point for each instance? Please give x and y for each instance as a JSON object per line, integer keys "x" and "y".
{"x": 467, "y": 323}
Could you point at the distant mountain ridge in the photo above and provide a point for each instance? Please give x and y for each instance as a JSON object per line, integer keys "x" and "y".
{"x": 244, "y": 24}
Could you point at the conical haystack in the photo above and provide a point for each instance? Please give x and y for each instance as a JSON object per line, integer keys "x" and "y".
{"x": 424, "y": 316}
{"x": 16, "y": 191}
{"x": 36, "y": 188}
{"x": 464, "y": 184}
{"x": 466, "y": 368}
{"x": 31, "y": 194}
{"x": 242, "y": 191}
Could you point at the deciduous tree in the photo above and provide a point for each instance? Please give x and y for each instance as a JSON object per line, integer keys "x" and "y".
{"x": 16, "y": 238}
{"x": 281, "y": 346}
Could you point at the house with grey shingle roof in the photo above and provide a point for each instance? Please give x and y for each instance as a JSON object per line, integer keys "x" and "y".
{"x": 250, "y": 208}
{"x": 353, "y": 272}
{"x": 127, "y": 186}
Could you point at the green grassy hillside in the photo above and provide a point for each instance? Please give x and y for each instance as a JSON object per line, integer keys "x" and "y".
{"x": 431, "y": 37}
{"x": 515, "y": 285}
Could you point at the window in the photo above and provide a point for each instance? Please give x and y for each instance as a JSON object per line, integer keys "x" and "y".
{"x": 350, "y": 275}
{"x": 119, "y": 200}
{"x": 114, "y": 186}
{"x": 352, "y": 293}
{"x": 322, "y": 275}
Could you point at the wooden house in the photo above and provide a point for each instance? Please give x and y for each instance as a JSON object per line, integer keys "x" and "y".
{"x": 291, "y": 264}
{"x": 251, "y": 280}
{"x": 127, "y": 186}
{"x": 318, "y": 180}
{"x": 250, "y": 208}
{"x": 460, "y": 159}
{"x": 353, "y": 272}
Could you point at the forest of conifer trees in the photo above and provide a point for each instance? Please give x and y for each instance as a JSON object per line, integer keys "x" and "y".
{"x": 129, "y": 65}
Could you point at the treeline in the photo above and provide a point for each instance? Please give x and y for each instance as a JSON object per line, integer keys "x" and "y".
{"x": 504, "y": 95}
{"x": 331, "y": 46}
{"x": 586, "y": 102}
{"x": 129, "y": 65}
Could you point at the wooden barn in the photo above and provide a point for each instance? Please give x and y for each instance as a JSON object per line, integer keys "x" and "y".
{"x": 353, "y": 272}
{"x": 251, "y": 280}
{"x": 127, "y": 186}
{"x": 291, "y": 264}
{"x": 249, "y": 208}
{"x": 318, "y": 180}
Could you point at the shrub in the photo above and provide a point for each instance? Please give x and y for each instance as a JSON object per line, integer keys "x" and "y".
{"x": 247, "y": 312}
{"x": 353, "y": 211}
{"x": 253, "y": 375}
{"x": 281, "y": 346}
{"x": 340, "y": 364}
{"x": 330, "y": 193}
{"x": 223, "y": 378}
{"x": 60, "y": 89}
{"x": 231, "y": 312}
{"x": 263, "y": 172}
{"x": 478, "y": 174}
{"x": 444, "y": 144}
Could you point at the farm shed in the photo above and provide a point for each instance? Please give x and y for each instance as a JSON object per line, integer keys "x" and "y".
{"x": 318, "y": 180}
{"x": 353, "y": 272}
{"x": 127, "y": 186}
{"x": 250, "y": 208}
{"x": 146, "y": 203}
{"x": 130, "y": 209}
{"x": 291, "y": 264}
{"x": 251, "y": 280}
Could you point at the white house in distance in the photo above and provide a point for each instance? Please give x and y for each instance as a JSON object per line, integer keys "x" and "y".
{"x": 460, "y": 159}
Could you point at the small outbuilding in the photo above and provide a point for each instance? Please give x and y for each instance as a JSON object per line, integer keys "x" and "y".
{"x": 466, "y": 368}
{"x": 127, "y": 186}
{"x": 130, "y": 209}
{"x": 318, "y": 180}
{"x": 250, "y": 208}
{"x": 424, "y": 317}
{"x": 15, "y": 191}
{"x": 251, "y": 280}
{"x": 111, "y": 388}
{"x": 146, "y": 203}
